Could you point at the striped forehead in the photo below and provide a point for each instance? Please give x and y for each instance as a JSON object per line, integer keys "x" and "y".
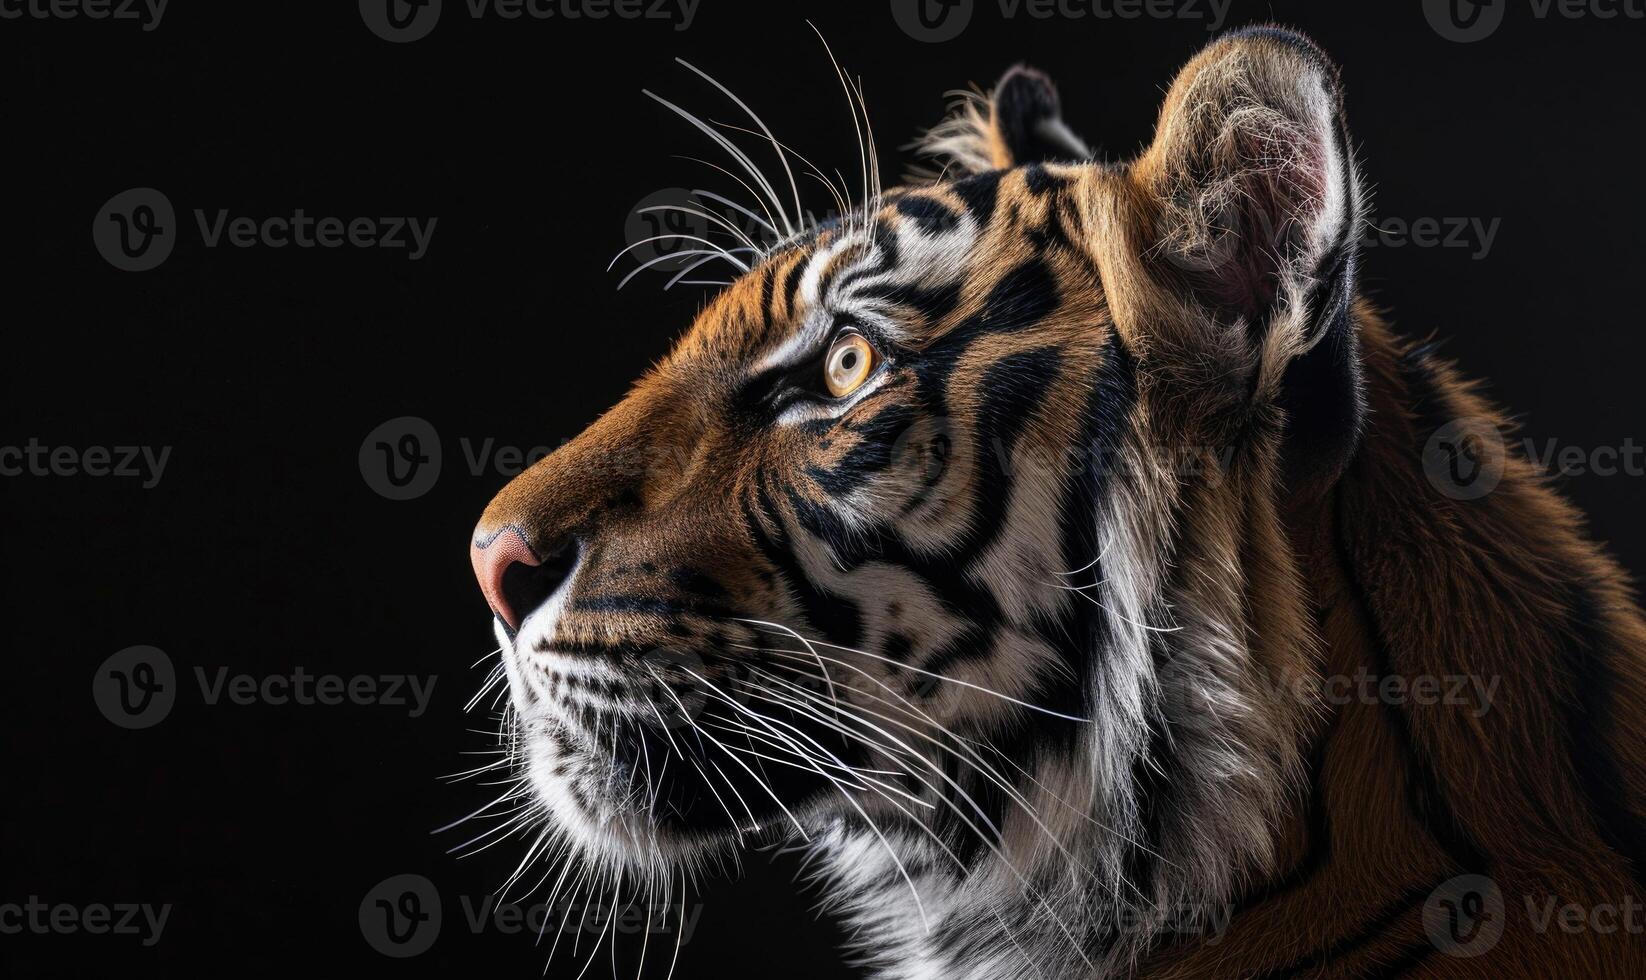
{"x": 779, "y": 312}
{"x": 919, "y": 249}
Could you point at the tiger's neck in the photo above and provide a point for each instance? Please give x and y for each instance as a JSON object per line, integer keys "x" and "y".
{"x": 1473, "y": 767}
{"x": 1406, "y": 697}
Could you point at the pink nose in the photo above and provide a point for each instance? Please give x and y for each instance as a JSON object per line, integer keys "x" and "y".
{"x": 513, "y": 577}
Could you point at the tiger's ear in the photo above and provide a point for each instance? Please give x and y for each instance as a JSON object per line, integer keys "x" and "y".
{"x": 1252, "y": 204}
{"x": 1250, "y": 178}
{"x": 1019, "y": 122}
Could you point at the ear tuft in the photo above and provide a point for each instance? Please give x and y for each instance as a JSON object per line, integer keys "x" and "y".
{"x": 1018, "y": 123}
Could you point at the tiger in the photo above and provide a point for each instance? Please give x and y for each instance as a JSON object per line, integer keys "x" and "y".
{"x": 1067, "y": 558}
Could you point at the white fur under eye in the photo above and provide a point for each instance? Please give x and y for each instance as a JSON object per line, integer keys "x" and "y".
{"x": 848, "y": 365}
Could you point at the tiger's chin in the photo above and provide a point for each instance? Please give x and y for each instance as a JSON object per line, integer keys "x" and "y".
{"x": 591, "y": 803}
{"x": 626, "y": 777}
{"x": 597, "y": 793}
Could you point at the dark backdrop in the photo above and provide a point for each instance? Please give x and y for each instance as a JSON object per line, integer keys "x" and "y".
{"x": 264, "y": 546}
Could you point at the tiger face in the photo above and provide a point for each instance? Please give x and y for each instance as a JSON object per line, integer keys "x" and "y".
{"x": 853, "y": 455}
{"x": 890, "y": 543}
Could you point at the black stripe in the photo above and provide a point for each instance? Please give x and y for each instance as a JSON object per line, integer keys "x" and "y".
{"x": 768, "y": 289}
{"x": 979, "y": 194}
{"x": 1425, "y": 797}
{"x": 1375, "y": 928}
{"x": 836, "y": 617}
{"x": 931, "y": 215}
{"x": 1041, "y": 181}
{"x": 875, "y": 450}
{"x": 791, "y": 284}
{"x": 1023, "y": 297}
{"x": 1589, "y": 720}
{"x": 1408, "y": 961}
{"x": 1588, "y": 716}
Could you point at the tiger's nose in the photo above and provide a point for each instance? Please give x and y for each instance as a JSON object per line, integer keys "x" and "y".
{"x": 515, "y": 577}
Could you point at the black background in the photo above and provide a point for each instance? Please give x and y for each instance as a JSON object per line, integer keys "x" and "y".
{"x": 264, "y": 548}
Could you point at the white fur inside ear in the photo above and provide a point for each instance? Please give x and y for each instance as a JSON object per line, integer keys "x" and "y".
{"x": 1331, "y": 221}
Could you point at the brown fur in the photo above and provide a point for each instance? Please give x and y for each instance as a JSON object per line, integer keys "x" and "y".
{"x": 1401, "y": 799}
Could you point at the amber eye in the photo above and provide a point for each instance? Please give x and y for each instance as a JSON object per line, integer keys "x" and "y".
{"x": 848, "y": 365}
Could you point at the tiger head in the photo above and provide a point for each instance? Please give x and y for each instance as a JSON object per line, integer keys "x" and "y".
{"x": 952, "y": 518}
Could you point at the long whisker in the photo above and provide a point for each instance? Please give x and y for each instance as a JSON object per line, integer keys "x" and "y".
{"x": 673, "y": 256}
{"x": 987, "y": 841}
{"x": 769, "y": 222}
{"x": 709, "y": 215}
{"x": 781, "y": 156}
{"x": 711, "y": 195}
{"x": 839, "y": 194}
{"x": 857, "y": 125}
{"x": 902, "y": 666}
{"x": 736, "y": 153}
{"x": 874, "y": 827}
{"x": 971, "y": 759}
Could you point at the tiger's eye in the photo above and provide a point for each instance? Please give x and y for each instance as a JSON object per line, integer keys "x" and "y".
{"x": 848, "y": 365}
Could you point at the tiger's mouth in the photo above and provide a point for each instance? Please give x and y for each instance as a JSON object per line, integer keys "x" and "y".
{"x": 644, "y": 752}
